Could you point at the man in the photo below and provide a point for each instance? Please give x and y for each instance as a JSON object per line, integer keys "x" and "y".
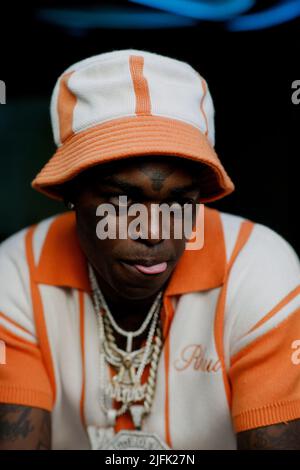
{"x": 141, "y": 340}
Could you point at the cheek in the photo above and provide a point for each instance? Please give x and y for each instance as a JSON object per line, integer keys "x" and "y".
{"x": 178, "y": 247}
{"x": 86, "y": 224}
{"x": 102, "y": 252}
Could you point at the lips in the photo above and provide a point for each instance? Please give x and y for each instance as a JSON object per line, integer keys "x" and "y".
{"x": 154, "y": 269}
{"x": 148, "y": 266}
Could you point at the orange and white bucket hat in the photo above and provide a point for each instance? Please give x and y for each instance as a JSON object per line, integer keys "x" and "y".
{"x": 130, "y": 103}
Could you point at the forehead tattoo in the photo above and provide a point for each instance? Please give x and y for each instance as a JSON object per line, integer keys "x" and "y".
{"x": 157, "y": 176}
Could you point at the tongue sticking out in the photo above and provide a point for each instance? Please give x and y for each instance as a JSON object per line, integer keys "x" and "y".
{"x": 155, "y": 269}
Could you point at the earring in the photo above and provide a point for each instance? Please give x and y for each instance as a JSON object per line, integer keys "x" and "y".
{"x": 70, "y": 205}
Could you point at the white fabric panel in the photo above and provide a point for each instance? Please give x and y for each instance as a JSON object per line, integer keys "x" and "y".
{"x": 209, "y": 110}
{"x": 274, "y": 321}
{"x": 14, "y": 276}
{"x": 100, "y": 98}
{"x": 175, "y": 92}
{"x": 231, "y": 227}
{"x": 54, "y": 113}
{"x": 16, "y": 331}
{"x": 39, "y": 237}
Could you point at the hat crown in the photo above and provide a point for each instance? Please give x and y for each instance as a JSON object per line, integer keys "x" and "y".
{"x": 128, "y": 83}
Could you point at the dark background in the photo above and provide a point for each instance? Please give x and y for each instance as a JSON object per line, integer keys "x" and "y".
{"x": 249, "y": 75}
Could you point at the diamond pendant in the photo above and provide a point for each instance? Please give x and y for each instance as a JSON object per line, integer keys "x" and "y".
{"x": 124, "y": 393}
{"x": 137, "y": 413}
{"x": 106, "y": 439}
{"x": 136, "y": 440}
{"x": 100, "y": 438}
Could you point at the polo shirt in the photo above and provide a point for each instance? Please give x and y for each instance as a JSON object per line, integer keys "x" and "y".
{"x": 231, "y": 330}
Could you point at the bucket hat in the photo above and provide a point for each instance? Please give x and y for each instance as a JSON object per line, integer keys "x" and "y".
{"x": 130, "y": 103}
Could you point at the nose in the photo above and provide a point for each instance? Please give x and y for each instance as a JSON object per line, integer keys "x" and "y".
{"x": 150, "y": 228}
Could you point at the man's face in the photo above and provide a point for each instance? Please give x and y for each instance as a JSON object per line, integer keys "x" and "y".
{"x": 146, "y": 180}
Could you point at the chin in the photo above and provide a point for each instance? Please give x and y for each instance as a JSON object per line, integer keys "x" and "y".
{"x": 137, "y": 292}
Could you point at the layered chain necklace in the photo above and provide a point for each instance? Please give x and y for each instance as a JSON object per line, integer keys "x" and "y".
{"x": 126, "y": 385}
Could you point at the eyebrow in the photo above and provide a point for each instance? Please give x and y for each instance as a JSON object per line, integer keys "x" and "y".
{"x": 138, "y": 191}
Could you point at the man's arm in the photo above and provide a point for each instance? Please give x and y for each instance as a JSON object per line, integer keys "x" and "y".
{"x": 282, "y": 436}
{"x": 24, "y": 428}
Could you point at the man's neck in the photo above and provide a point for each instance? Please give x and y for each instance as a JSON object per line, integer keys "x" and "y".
{"x": 129, "y": 314}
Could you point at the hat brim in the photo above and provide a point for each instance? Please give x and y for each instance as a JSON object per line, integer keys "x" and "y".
{"x": 132, "y": 137}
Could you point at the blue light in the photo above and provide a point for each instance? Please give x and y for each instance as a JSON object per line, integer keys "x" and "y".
{"x": 200, "y": 9}
{"x": 79, "y": 20}
{"x": 287, "y": 10}
{"x": 171, "y": 14}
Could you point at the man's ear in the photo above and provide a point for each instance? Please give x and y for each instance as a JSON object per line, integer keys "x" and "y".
{"x": 69, "y": 204}
{"x": 67, "y": 190}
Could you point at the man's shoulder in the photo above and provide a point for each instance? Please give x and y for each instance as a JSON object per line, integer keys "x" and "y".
{"x": 263, "y": 281}
{"x": 13, "y": 248}
{"x": 263, "y": 241}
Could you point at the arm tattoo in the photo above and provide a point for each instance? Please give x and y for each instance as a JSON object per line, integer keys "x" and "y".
{"x": 22, "y": 427}
{"x": 18, "y": 427}
{"x": 44, "y": 442}
{"x": 282, "y": 436}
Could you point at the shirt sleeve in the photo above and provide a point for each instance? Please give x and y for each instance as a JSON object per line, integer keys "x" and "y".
{"x": 262, "y": 333}
{"x": 23, "y": 377}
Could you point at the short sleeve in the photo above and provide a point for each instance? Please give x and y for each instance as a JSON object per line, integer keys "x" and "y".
{"x": 23, "y": 377}
{"x": 262, "y": 333}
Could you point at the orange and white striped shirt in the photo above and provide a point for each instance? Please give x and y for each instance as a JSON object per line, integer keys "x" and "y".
{"x": 231, "y": 322}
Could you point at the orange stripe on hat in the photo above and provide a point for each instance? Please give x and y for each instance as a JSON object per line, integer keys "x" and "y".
{"x": 140, "y": 85}
{"x": 204, "y": 86}
{"x": 66, "y": 102}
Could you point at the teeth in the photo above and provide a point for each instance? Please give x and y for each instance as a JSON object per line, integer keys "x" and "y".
{"x": 154, "y": 269}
